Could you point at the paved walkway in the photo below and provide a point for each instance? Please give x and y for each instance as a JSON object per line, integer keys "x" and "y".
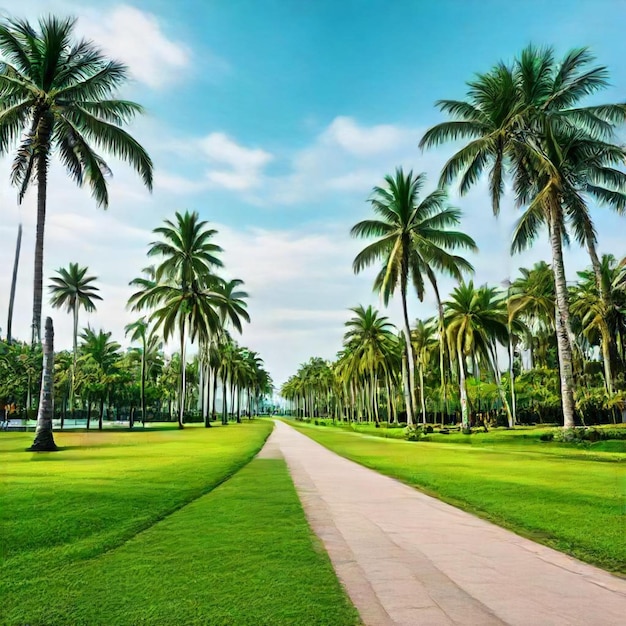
{"x": 406, "y": 558}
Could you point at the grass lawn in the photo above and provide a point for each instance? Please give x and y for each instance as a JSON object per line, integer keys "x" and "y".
{"x": 569, "y": 498}
{"x": 129, "y": 528}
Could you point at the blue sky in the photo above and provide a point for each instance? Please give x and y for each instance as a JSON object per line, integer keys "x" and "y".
{"x": 274, "y": 119}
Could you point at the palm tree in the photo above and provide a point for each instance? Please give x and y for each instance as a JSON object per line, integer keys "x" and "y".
{"x": 370, "y": 338}
{"x": 44, "y": 439}
{"x": 55, "y": 97}
{"x": 185, "y": 288}
{"x": 526, "y": 120}
{"x": 73, "y": 289}
{"x": 423, "y": 337}
{"x": 100, "y": 354}
{"x": 475, "y": 320}
{"x": 533, "y": 301}
{"x": 413, "y": 242}
{"x": 598, "y": 321}
{"x": 140, "y": 331}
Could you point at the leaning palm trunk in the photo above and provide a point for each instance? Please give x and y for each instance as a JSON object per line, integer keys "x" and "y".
{"x": 16, "y": 262}
{"x": 44, "y": 439}
{"x": 564, "y": 345}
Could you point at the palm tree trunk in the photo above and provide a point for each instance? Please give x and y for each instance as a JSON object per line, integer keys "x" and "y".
{"x": 562, "y": 321}
{"x": 74, "y": 355}
{"x": 498, "y": 378}
{"x": 101, "y": 416}
{"x": 512, "y": 373}
{"x": 405, "y": 384}
{"x": 606, "y": 301}
{"x": 410, "y": 392}
{"x": 375, "y": 396}
{"x": 143, "y": 384}
{"x": 422, "y": 394}
{"x": 181, "y": 405}
{"x": 16, "y": 262}
{"x": 44, "y": 439}
{"x": 214, "y": 398}
{"x": 42, "y": 186}
{"x": 465, "y": 424}
{"x": 224, "y": 408}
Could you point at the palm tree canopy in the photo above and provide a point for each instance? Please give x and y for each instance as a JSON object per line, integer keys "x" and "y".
{"x": 413, "y": 236}
{"x": 57, "y": 93}
{"x": 71, "y": 287}
{"x": 475, "y": 319}
{"x": 233, "y": 305}
{"x": 188, "y": 255}
{"x": 526, "y": 118}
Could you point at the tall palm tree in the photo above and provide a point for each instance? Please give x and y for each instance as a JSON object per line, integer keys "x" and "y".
{"x": 185, "y": 288}
{"x": 73, "y": 289}
{"x": 598, "y": 321}
{"x": 56, "y": 97}
{"x": 414, "y": 242}
{"x": 139, "y": 330}
{"x": 526, "y": 119}
{"x": 423, "y": 337}
{"x": 370, "y": 337}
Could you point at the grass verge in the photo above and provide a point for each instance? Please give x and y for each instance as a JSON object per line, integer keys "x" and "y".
{"x": 242, "y": 554}
{"x": 571, "y": 502}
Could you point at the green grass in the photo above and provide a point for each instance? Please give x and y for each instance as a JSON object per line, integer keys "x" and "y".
{"x": 569, "y": 498}
{"x": 525, "y": 437}
{"x": 129, "y": 528}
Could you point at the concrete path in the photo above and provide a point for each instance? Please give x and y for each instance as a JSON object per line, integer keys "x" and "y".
{"x": 406, "y": 558}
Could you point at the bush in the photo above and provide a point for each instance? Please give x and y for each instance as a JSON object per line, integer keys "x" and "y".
{"x": 414, "y": 434}
{"x": 579, "y": 435}
{"x": 546, "y": 437}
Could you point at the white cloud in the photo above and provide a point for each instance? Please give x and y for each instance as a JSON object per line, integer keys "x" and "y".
{"x": 362, "y": 141}
{"x": 244, "y": 165}
{"x": 137, "y": 38}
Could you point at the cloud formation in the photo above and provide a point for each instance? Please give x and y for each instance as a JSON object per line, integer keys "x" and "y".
{"x": 137, "y": 38}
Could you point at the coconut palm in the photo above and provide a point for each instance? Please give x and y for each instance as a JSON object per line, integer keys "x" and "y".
{"x": 526, "y": 120}
{"x": 100, "y": 355}
{"x": 414, "y": 242}
{"x": 607, "y": 325}
{"x": 475, "y": 320}
{"x": 424, "y": 339}
{"x": 139, "y": 330}
{"x": 73, "y": 289}
{"x": 185, "y": 288}
{"x": 56, "y": 97}
{"x": 370, "y": 337}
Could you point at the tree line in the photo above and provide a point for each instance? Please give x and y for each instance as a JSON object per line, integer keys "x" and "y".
{"x": 522, "y": 125}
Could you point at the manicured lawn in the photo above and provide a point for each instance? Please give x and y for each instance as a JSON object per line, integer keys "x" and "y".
{"x": 568, "y": 498}
{"x": 126, "y": 528}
